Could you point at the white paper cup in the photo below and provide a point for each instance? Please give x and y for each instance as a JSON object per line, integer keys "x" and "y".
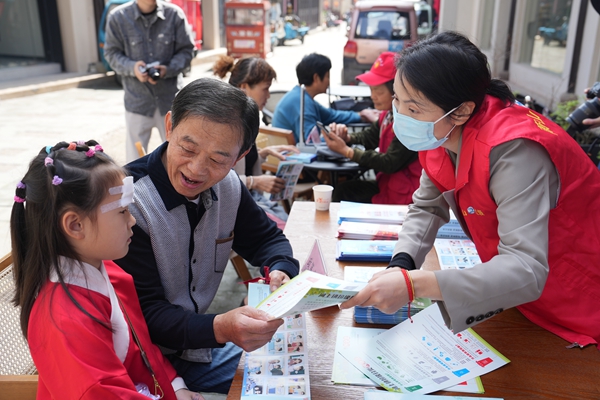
{"x": 322, "y": 195}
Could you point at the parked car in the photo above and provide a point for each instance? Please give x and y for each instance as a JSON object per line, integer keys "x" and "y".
{"x": 382, "y": 25}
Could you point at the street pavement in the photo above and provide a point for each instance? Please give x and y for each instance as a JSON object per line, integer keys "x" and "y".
{"x": 27, "y": 124}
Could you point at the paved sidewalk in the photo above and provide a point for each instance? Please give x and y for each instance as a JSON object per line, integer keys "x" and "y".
{"x": 49, "y": 83}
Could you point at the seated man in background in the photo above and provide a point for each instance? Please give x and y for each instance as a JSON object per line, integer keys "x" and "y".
{"x": 398, "y": 168}
{"x": 313, "y": 73}
{"x": 191, "y": 211}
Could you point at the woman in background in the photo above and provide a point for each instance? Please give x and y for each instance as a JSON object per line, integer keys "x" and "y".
{"x": 254, "y": 76}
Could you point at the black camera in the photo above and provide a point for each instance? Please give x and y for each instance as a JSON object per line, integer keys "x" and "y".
{"x": 153, "y": 72}
{"x": 589, "y": 109}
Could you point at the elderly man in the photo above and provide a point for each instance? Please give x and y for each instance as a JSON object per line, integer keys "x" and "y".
{"x": 191, "y": 210}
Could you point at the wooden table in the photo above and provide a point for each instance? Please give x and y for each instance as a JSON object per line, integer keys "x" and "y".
{"x": 541, "y": 366}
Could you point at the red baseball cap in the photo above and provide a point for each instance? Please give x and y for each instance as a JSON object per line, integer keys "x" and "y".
{"x": 382, "y": 71}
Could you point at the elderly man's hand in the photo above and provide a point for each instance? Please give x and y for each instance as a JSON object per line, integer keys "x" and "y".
{"x": 246, "y": 327}
{"x": 278, "y": 278}
{"x": 268, "y": 183}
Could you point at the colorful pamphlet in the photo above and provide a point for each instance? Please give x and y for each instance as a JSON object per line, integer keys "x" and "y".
{"x": 370, "y": 314}
{"x": 343, "y": 372}
{"x": 381, "y": 395}
{"x": 289, "y": 172}
{"x": 424, "y": 356}
{"x": 307, "y": 292}
{"x": 280, "y": 368}
{"x": 373, "y": 213}
{"x": 368, "y": 231}
{"x": 365, "y": 250}
{"x": 456, "y": 253}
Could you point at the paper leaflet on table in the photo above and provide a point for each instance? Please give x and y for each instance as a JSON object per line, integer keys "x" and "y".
{"x": 343, "y": 372}
{"x": 289, "y": 172}
{"x": 424, "y": 356}
{"x": 307, "y": 292}
{"x": 280, "y": 368}
{"x": 315, "y": 261}
{"x": 381, "y": 395}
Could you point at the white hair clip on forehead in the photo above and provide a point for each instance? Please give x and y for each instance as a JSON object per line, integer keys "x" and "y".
{"x": 126, "y": 199}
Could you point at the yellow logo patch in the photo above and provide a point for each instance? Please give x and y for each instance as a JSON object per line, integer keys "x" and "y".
{"x": 539, "y": 122}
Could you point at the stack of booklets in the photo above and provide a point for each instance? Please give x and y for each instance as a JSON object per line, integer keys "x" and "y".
{"x": 372, "y": 213}
{"x": 365, "y": 250}
{"x": 368, "y": 231}
{"x": 371, "y": 315}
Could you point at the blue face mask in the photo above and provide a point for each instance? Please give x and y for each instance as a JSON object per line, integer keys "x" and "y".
{"x": 418, "y": 135}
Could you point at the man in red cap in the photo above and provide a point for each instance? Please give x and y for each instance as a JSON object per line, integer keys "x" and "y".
{"x": 398, "y": 169}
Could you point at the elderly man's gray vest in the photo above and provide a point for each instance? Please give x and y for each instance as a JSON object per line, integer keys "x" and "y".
{"x": 169, "y": 233}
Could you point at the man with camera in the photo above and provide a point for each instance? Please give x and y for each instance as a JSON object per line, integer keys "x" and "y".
{"x": 149, "y": 43}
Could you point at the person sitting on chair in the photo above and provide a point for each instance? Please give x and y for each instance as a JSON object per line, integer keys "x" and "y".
{"x": 254, "y": 76}
{"x": 398, "y": 168}
{"x": 313, "y": 73}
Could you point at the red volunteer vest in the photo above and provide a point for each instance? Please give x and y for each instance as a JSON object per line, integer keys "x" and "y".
{"x": 396, "y": 188}
{"x": 570, "y": 302}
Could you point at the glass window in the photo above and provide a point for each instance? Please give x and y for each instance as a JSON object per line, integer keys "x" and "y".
{"x": 545, "y": 34}
{"x": 245, "y": 16}
{"x": 388, "y": 25}
{"x": 486, "y": 25}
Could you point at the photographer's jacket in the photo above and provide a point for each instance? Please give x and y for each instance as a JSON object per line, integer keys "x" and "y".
{"x": 539, "y": 242}
{"x": 162, "y": 36}
{"x": 180, "y": 249}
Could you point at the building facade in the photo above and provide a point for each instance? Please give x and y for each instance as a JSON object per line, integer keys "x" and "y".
{"x": 547, "y": 49}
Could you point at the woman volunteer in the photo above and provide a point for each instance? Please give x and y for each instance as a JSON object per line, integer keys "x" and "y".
{"x": 522, "y": 189}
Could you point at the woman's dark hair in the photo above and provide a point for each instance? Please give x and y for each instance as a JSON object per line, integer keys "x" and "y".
{"x": 251, "y": 71}
{"x": 310, "y": 65}
{"x": 220, "y": 103}
{"x": 390, "y": 86}
{"x": 68, "y": 176}
{"x": 449, "y": 70}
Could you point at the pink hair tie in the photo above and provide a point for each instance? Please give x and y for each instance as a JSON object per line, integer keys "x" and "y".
{"x": 90, "y": 152}
{"x": 72, "y": 146}
{"x": 56, "y": 180}
{"x": 99, "y": 148}
{"x": 19, "y": 199}
{"x": 48, "y": 161}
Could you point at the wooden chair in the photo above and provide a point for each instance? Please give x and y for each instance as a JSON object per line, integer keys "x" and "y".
{"x": 18, "y": 375}
{"x": 140, "y": 149}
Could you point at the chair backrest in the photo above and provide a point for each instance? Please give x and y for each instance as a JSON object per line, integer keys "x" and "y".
{"x": 269, "y": 108}
{"x": 269, "y": 136}
{"x": 18, "y": 379}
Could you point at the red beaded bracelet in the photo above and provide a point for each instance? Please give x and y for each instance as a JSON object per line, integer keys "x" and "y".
{"x": 411, "y": 290}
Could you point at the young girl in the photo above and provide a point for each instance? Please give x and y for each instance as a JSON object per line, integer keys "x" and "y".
{"x": 81, "y": 316}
